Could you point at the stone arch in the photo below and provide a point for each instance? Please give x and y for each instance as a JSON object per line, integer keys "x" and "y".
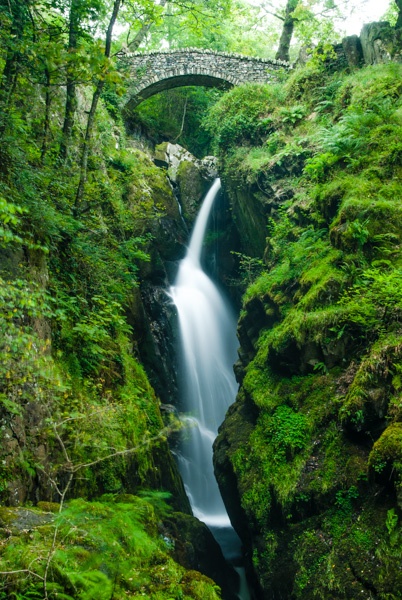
{"x": 154, "y": 86}
{"x": 155, "y": 72}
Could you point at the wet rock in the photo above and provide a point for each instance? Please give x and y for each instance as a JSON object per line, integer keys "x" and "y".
{"x": 252, "y": 203}
{"x": 195, "y": 548}
{"x": 153, "y": 318}
{"x": 172, "y": 155}
{"x": 167, "y": 477}
{"x": 190, "y": 176}
{"x": 235, "y": 430}
{"x": 191, "y": 188}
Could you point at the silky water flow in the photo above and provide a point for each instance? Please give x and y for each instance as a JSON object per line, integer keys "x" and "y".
{"x": 208, "y": 345}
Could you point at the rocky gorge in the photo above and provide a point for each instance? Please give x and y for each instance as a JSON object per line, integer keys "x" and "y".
{"x": 308, "y": 456}
{"x": 308, "y": 459}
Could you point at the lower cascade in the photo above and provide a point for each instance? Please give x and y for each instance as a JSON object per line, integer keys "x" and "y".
{"x": 208, "y": 351}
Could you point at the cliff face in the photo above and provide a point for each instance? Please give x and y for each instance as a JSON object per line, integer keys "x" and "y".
{"x": 309, "y": 457}
{"x": 81, "y": 429}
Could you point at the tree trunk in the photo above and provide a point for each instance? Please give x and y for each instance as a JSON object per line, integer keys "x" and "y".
{"x": 140, "y": 36}
{"x": 46, "y": 124}
{"x": 8, "y": 79}
{"x": 91, "y": 116}
{"x": 287, "y": 31}
{"x": 85, "y": 148}
{"x": 399, "y": 20}
{"x": 133, "y": 45}
{"x": 71, "y": 96}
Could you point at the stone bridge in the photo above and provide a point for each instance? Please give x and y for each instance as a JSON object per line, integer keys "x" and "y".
{"x": 154, "y": 72}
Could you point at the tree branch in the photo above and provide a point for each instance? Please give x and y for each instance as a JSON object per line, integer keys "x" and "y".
{"x": 274, "y": 14}
{"x": 182, "y": 121}
{"x": 163, "y": 433}
{"x": 22, "y": 571}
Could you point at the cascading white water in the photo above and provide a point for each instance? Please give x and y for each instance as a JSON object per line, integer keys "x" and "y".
{"x": 207, "y": 329}
{"x": 208, "y": 338}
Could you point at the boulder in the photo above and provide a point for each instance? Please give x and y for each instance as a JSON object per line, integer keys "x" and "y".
{"x": 196, "y": 549}
{"x": 353, "y": 50}
{"x": 189, "y": 175}
{"x": 381, "y": 43}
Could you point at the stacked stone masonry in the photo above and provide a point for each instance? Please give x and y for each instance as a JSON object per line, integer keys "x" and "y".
{"x": 156, "y": 71}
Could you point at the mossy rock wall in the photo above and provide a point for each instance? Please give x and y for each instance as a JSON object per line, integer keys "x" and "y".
{"x": 190, "y": 176}
{"x": 250, "y": 213}
{"x": 74, "y": 327}
{"x": 308, "y": 458}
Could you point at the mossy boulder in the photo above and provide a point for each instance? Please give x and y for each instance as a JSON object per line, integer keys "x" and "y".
{"x": 150, "y": 200}
{"x": 17, "y": 520}
{"x": 196, "y": 549}
{"x": 385, "y": 458}
{"x": 190, "y": 176}
{"x": 381, "y": 43}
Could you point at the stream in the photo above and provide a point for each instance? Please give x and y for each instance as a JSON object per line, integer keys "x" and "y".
{"x": 208, "y": 351}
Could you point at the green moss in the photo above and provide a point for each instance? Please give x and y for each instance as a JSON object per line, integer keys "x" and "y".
{"x": 357, "y": 223}
{"x": 260, "y": 386}
{"x": 107, "y": 549}
{"x": 273, "y": 461}
{"x": 53, "y": 507}
{"x": 196, "y": 585}
{"x": 304, "y": 83}
{"x": 387, "y": 452}
{"x": 7, "y": 516}
{"x": 348, "y": 554}
{"x": 326, "y": 377}
{"x": 373, "y": 385}
{"x": 370, "y": 86}
{"x": 243, "y": 114}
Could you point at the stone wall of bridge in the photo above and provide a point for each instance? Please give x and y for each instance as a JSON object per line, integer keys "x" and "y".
{"x": 154, "y": 72}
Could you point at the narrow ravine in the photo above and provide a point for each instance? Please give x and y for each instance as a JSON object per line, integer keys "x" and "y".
{"x": 208, "y": 351}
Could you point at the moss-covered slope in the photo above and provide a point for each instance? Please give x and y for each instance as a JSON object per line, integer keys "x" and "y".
{"x": 115, "y": 547}
{"x": 78, "y": 416}
{"x": 312, "y": 447}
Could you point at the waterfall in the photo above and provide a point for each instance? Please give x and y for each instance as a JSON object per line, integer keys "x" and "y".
{"x": 208, "y": 345}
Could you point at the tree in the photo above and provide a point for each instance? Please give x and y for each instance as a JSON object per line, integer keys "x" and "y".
{"x": 71, "y": 96}
{"x": 287, "y": 30}
{"x": 180, "y": 24}
{"x": 399, "y": 20}
{"x": 16, "y": 20}
{"x": 83, "y": 16}
{"x": 95, "y": 99}
{"x": 312, "y": 18}
{"x": 144, "y": 30}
